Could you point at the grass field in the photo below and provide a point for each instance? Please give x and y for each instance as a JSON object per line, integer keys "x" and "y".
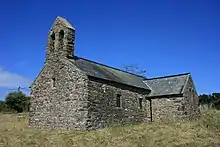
{"x": 204, "y": 132}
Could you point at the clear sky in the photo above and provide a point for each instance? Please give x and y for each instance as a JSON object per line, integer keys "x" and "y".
{"x": 162, "y": 36}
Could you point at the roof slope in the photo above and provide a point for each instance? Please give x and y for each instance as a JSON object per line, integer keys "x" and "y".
{"x": 109, "y": 73}
{"x": 63, "y": 22}
{"x": 167, "y": 85}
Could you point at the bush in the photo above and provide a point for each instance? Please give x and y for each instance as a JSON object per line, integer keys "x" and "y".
{"x": 17, "y": 101}
{"x": 3, "y": 106}
{"x": 211, "y": 99}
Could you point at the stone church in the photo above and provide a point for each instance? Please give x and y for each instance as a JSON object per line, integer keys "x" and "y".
{"x": 71, "y": 92}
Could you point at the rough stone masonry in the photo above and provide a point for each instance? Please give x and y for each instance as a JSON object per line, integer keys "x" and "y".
{"x": 71, "y": 92}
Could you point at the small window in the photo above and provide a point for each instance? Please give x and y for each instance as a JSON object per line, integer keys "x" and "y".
{"x": 118, "y": 100}
{"x": 181, "y": 108}
{"x": 140, "y": 103}
{"x": 53, "y": 82}
{"x": 61, "y": 34}
{"x": 53, "y": 41}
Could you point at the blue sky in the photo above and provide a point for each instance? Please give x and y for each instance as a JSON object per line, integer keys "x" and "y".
{"x": 162, "y": 36}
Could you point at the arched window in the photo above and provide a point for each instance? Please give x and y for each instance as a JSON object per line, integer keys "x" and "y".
{"x": 53, "y": 41}
{"x": 61, "y": 35}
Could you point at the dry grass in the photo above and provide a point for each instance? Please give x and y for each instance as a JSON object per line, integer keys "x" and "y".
{"x": 205, "y": 132}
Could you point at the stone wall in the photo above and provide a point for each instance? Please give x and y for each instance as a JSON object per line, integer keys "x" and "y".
{"x": 167, "y": 108}
{"x": 174, "y": 108}
{"x": 59, "y": 94}
{"x": 62, "y": 96}
{"x": 61, "y": 103}
{"x": 60, "y": 42}
{"x": 191, "y": 99}
{"x": 102, "y": 106}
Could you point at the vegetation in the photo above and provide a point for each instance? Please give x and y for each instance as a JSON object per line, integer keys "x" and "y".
{"x": 203, "y": 132}
{"x": 19, "y": 102}
{"x": 15, "y": 101}
{"x": 210, "y": 99}
{"x": 3, "y": 106}
{"x": 135, "y": 69}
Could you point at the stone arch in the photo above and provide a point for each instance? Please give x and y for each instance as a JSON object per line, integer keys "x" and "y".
{"x": 52, "y": 36}
{"x": 61, "y": 39}
{"x": 61, "y": 34}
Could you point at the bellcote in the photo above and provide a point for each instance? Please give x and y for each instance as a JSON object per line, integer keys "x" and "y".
{"x": 61, "y": 39}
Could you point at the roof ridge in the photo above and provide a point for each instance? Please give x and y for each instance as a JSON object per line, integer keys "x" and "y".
{"x": 169, "y": 76}
{"x": 110, "y": 67}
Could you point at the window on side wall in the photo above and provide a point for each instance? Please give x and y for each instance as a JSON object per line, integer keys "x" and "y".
{"x": 140, "y": 103}
{"x": 53, "y": 82}
{"x": 118, "y": 100}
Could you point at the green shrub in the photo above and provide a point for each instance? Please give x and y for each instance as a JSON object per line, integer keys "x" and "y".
{"x": 3, "y": 106}
{"x": 17, "y": 101}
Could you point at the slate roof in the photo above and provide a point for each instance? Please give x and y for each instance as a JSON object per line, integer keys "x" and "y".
{"x": 167, "y": 85}
{"x": 105, "y": 72}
